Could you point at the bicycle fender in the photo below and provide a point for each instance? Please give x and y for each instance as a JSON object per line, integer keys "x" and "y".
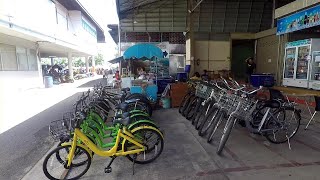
{"x": 81, "y": 145}
{"x": 141, "y": 121}
{"x": 140, "y": 114}
{"x": 147, "y": 127}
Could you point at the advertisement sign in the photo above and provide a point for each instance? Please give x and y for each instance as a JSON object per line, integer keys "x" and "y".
{"x": 300, "y": 20}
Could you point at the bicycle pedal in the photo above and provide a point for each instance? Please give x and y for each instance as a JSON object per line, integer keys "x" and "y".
{"x": 107, "y": 170}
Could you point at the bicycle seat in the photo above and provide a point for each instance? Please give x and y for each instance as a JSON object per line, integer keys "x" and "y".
{"x": 122, "y": 115}
{"x": 131, "y": 100}
{"x": 117, "y": 97}
{"x": 122, "y": 106}
{"x": 272, "y": 104}
{"x": 125, "y": 89}
{"x": 125, "y": 119}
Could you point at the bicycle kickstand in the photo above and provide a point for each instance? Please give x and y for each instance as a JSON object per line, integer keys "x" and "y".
{"x": 288, "y": 142}
{"x": 134, "y": 161}
{"x": 108, "y": 169}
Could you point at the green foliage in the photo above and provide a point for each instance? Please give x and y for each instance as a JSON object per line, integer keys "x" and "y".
{"x": 79, "y": 63}
{"x": 99, "y": 60}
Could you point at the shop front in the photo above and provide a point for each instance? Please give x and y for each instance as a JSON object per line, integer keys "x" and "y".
{"x": 144, "y": 69}
{"x": 301, "y": 66}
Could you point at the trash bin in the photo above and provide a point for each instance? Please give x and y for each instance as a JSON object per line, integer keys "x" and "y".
{"x": 48, "y": 81}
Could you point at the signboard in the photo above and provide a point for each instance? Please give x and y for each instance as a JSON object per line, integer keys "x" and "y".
{"x": 298, "y": 43}
{"x": 300, "y": 20}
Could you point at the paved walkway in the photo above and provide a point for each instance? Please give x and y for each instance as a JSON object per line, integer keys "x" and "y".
{"x": 19, "y": 107}
{"x": 188, "y": 156}
{"x": 24, "y": 139}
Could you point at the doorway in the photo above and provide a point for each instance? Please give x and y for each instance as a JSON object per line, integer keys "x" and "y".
{"x": 241, "y": 50}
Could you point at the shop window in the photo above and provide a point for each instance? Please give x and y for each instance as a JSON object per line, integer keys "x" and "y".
{"x": 8, "y": 58}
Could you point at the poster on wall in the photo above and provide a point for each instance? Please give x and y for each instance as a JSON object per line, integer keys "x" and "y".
{"x": 300, "y": 20}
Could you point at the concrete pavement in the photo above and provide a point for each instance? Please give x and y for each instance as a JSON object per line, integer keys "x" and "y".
{"x": 188, "y": 156}
{"x": 27, "y": 140}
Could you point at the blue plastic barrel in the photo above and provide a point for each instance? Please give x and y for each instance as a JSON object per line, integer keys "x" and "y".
{"x": 166, "y": 103}
{"x": 182, "y": 76}
{"x": 48, "y": 81}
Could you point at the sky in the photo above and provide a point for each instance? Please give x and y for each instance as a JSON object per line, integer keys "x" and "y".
{"x": 104, "y": 12}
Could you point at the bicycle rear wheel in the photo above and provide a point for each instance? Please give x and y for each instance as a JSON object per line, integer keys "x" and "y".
{"x": 226, "y": 133}
{"x": 55, "y": 170}
{"x": 284, "y": 127}
{"x": 152, "y": 141}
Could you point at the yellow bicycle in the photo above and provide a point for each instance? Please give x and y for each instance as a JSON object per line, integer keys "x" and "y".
{"x": 141, "y": 145}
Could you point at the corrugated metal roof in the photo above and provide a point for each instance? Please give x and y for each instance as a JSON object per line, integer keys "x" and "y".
{"x": 221, "y": 16}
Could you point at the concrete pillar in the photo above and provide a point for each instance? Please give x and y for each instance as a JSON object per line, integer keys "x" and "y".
{"x": 70, "y": 65}
{"x": 52, "y": 63}
{"x": 190, "y": 39}
{"x": 93, "y": 65}
{"x": 87, "y": 63}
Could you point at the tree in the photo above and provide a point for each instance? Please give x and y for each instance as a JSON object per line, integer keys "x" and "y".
{"x": 61, "y": 61}
{"x": 99, "y": 60}
{"x": 79, "y": 63}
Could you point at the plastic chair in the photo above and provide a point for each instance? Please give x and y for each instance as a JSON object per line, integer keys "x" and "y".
{"x": 317, "y": 108}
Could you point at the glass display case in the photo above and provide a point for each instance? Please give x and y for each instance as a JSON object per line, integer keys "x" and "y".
{"x": 289, "y": 63}
{"x": 303, "y": 62}
{"x": 314, "y": 82}
{"x": 297, "y": 62}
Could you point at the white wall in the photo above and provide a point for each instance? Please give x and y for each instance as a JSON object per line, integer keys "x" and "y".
{"x": 15, "y": 81}
{"x": 40, "y": 16}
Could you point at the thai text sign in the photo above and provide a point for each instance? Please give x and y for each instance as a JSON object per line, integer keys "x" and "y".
{"x": 300, "y": 20}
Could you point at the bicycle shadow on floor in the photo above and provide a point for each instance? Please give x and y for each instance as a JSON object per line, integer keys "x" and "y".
{"x": 94, "y": 82}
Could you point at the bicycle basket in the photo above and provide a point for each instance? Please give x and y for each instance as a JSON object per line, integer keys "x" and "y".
{"x": 61, "y": 128}
{"x": 203, "y": 90}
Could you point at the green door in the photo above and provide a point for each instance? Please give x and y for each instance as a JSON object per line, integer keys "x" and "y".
{"x": 241, "y": 50}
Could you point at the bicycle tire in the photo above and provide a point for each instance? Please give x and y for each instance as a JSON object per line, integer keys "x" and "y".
{"x": 297, "y": 116}
{"x": 142, "y": 99}
{"x": 201, "y": 110}
{"x": 183, "y": 102}
{"x": 215, "y": 126}
{"x": 189, "y": 100}
{"x": 196, "y": 110}
{"x": 191, "y": 109}
{"x": 226, "y": 134}
{"x": 53, "y": 152}
{"x": 126, "y": 145}
{"x": 203, "y": 114}
{"x": 207, "y": 123}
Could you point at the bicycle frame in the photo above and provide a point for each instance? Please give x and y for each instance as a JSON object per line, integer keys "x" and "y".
{"x": 122, "y": 133}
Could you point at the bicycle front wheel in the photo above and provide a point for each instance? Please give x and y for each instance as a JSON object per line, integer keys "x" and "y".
{"x": 56, "y": 169}
{"x": 152, "y": 141}
{"x": 226, "y": 134}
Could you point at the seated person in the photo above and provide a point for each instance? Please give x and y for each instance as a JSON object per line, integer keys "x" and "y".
{"x": 205, "y": 76}
{"x": 196, "y": 76}
{"x": 141, "y": 73}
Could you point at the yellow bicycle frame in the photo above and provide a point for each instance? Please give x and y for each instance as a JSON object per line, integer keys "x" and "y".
{"x": 126, "y": 135}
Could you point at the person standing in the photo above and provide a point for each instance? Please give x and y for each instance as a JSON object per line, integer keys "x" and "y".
{"x": 251, "y": 66}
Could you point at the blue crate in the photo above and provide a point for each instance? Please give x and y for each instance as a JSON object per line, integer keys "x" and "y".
{"x": 266, "y": 80}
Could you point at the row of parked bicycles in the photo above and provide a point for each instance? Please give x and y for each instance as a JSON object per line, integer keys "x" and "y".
{"x": 105, "y": 124}
{"x": 223, "y": 103}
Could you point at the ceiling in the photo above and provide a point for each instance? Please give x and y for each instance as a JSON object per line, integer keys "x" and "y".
{"x": 220, "y": 16}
